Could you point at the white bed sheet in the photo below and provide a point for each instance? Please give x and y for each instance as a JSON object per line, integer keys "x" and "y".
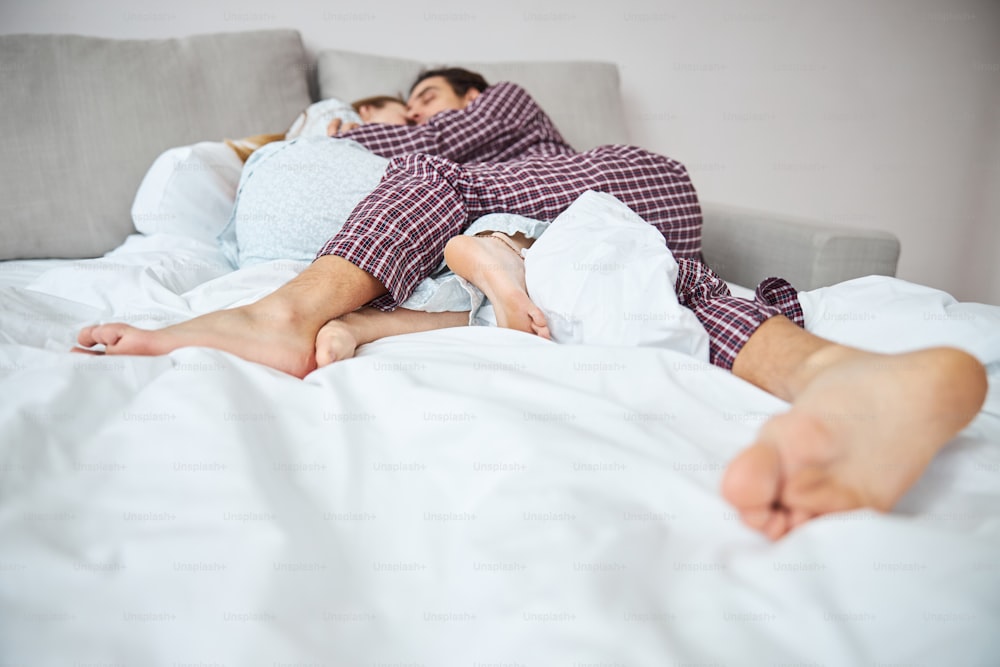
{"x": 462, "y": 497}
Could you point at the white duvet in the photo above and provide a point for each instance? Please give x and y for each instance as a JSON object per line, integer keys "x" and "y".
{"x": 471, "y": 497}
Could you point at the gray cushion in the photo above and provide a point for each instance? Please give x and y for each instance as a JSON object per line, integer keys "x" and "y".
{"x": 745, "y": 246}
{"x": 582, "y": 98}
{"x": 83, "y": 118}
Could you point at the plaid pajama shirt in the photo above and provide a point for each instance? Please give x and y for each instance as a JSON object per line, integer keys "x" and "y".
{"x": 502, "y": 154}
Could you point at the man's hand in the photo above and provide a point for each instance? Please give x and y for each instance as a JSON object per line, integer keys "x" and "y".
{"x": 337, "y": 127}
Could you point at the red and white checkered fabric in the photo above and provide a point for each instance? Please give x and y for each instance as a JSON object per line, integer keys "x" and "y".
{"x": 730, "y": 321}
{"x": 398, "y": 233}
{"x": 504, "y": 123}
{"x": 502, "y": 154}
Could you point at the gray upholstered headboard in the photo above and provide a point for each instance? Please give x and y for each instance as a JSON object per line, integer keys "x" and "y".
{"x": 582, "y": 98}
{"x": 82, "y": 119}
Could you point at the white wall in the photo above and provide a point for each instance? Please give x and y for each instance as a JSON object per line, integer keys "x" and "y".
{"x": 872, "y": 113}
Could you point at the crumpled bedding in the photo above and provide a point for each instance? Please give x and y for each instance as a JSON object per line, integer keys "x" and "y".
{"x": 470, "y": 496}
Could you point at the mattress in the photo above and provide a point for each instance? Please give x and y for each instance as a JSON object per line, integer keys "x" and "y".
{"x": 471, "y": 496}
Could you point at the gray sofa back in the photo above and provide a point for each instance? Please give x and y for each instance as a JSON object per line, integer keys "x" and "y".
{"x": 83, "y": 118}
{"x": 583, "y": 98}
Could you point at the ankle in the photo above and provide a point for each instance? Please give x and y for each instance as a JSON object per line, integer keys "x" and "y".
{"x": 815, "y": 363}
{"x": 777, "y": 356}
{"x": 278, "y": 311}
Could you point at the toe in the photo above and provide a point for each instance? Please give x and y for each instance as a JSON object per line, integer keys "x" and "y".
{"x": 324, "y": 355}
{"x": 756, "y": 518}
{"x": 539, "y": 324}
{"x": 777, "y": 525}
{"x": 752, "y": 479}
{"x": 327, "y": 347}
{"x": 108, "y": 335}
{"x": 86, "y": 336}
{"x": 334, "y": 343}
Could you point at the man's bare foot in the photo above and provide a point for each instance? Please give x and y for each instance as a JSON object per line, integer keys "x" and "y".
{"x": 859, "y": 434}
{"x": 493, "y": 264}
{"x": 336, "y": 341}
{"x": 278, "y": 331}
{"x": 267, "y": 336}
{"x": 340, "y": 338}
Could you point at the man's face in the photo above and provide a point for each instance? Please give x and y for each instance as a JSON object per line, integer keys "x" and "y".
{"x": 434, "y": 95}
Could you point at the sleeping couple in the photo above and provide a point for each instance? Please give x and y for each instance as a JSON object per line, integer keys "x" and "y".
{"x": 473, "y": 149}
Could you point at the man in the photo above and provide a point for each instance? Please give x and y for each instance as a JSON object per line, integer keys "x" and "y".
{"x": 478, "y": 149}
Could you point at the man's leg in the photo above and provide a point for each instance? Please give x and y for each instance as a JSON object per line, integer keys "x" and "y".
{"x": 862, "y": 426}
{"x": 397, "y": 233}
{"x": 861, "y": 430}
{"x": 279, "y": 330}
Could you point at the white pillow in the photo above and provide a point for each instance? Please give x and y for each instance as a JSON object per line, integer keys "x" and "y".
{"x": 314, "y": 120}
{"x": 189, "y": 191}
{"x": 604, "y": 276}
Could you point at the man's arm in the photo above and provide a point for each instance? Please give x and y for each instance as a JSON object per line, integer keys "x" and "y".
{"x": 497, "y": 125}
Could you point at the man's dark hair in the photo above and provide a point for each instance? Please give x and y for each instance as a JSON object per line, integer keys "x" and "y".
{"x": 459, "y": 79}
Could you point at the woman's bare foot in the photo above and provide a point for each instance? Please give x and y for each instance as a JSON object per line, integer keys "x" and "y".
{"x": 494, "y": 265}
{"x": 265, "y": 335}
{"x": 859, "y": 434}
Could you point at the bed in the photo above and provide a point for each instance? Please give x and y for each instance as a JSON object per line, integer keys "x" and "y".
{"x": 471, "y": 496}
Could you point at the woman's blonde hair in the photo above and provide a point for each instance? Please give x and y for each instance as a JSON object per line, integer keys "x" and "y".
{"x": 377, "y": 101}
{"x": 245, "y": 147}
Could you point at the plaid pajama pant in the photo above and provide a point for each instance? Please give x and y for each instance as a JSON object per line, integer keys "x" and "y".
{"x": 398, "y": 233}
